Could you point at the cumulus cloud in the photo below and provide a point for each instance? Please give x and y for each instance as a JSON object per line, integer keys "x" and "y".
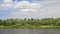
{"x": 51, "y": 12}
{"x": 25, "y": 8}
{"x": 26, "y": 4}
{"x": 5, "y": 1}
{"x": 22, "y": 8}
{"x": 6, "y": 4}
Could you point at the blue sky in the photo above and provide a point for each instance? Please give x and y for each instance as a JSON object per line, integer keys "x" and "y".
{"x": 29, "y": 9}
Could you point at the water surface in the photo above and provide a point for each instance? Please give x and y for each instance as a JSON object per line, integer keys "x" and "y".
{"x": 29, "y": 31}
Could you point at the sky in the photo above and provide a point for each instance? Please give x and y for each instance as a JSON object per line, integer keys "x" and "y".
{"x": 29, "y": 9}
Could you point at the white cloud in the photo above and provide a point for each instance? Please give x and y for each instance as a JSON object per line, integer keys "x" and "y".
{"x": 5, "y": 1}
{"x": 25, "y": 8}
{"x": 51, "y": 12}
{"x": 26, "y": 4}
{"x": 7, "y": 4}
{"x": 22, "y": 4}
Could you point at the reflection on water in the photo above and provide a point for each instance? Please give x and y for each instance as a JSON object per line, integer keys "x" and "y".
{"x": 29, "y": 31}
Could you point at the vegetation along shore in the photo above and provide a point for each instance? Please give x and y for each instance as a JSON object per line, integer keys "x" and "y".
{"x": 30, "y": 23}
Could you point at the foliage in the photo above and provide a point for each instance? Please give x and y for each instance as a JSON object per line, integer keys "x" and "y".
{"x": 29, "y": 23}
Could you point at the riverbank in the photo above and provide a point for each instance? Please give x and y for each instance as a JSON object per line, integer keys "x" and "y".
{"x": 29, "y": 26}
{"x": 30, "y": 23}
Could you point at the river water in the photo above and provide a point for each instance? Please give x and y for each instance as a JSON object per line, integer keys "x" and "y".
{"x": 29, "y": 31}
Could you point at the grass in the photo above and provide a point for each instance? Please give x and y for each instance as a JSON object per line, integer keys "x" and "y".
{"x": 50, "y": 26}
{"x": 29, "y": 26}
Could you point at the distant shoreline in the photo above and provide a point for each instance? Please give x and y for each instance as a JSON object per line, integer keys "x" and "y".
{"x": 25, "y": 27}
{"x": 30, "y": 23}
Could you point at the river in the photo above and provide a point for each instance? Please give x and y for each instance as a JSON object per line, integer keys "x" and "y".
{"x": 29, "y": 31}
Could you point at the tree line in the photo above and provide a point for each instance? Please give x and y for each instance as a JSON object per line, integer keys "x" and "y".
{"x": 34, "y": 22}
